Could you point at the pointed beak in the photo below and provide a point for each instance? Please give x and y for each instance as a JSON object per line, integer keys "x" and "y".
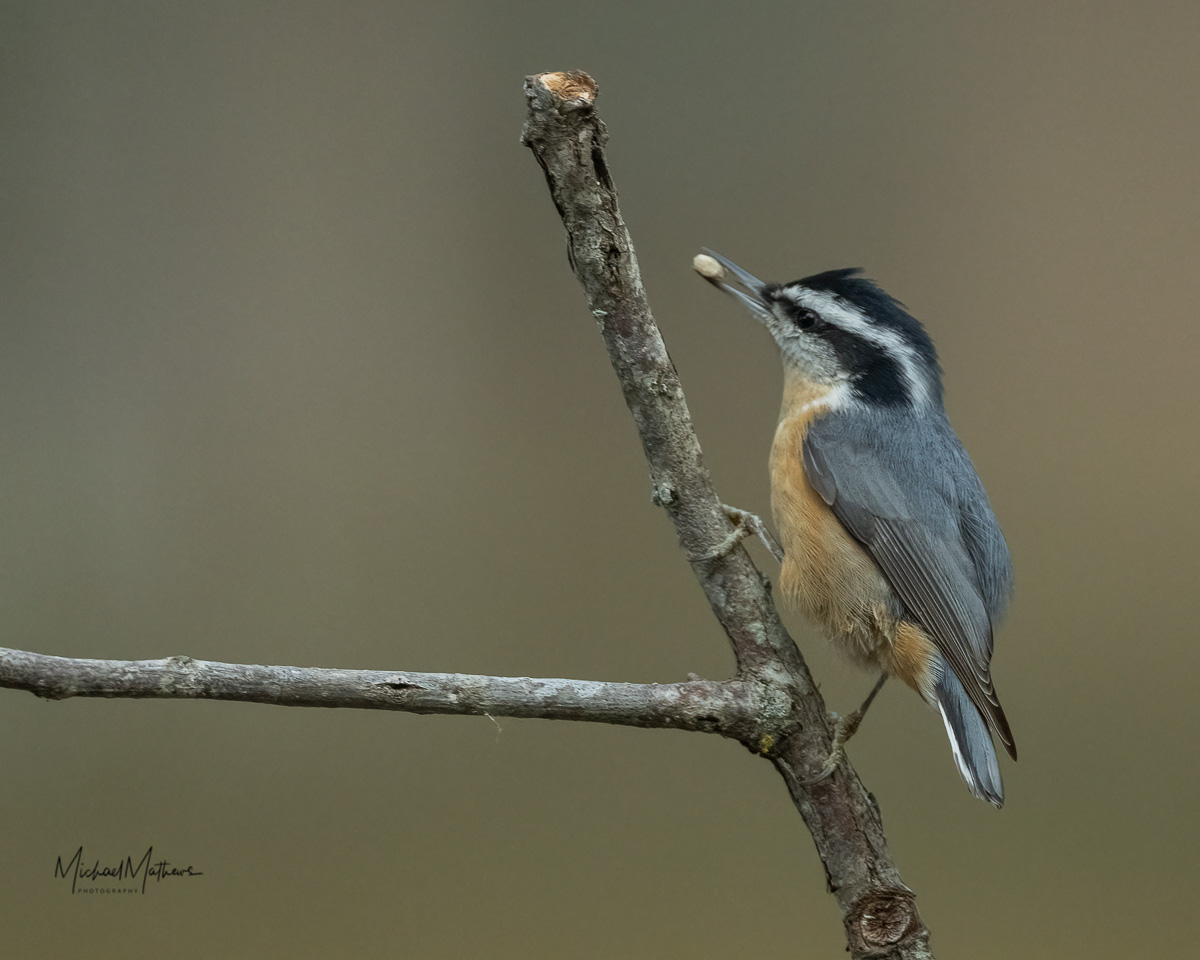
{"x": 738, "y": 283}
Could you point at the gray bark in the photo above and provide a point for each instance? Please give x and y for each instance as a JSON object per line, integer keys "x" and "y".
{"x": 705, "y": 705}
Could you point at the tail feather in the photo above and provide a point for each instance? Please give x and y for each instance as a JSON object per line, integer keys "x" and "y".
{"x": 970, "y": 740}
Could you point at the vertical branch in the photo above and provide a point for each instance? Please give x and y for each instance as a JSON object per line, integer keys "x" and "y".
{"x": 568, "y": 140}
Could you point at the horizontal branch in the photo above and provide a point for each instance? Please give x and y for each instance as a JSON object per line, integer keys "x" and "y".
{"x": 729, "y": 707}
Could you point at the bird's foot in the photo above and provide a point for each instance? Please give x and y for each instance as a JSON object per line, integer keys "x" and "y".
{"x": 745, "y": 524}
{"x": 843, "y": 730}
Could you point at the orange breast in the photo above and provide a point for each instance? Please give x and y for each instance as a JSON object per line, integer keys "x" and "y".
{"x": 826, "y": 573}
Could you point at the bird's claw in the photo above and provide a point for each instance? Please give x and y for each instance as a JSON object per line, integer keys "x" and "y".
{"x": 745, "y": 523}
{"x": 843, "y": 730}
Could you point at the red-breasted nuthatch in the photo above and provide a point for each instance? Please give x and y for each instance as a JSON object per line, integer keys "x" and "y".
{"x": 889, "y": 542}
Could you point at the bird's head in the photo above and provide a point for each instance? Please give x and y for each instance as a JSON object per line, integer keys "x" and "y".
{"x": 839, "y": 328}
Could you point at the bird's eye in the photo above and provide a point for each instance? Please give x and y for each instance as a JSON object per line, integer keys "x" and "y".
{"x": 805, "y": 318}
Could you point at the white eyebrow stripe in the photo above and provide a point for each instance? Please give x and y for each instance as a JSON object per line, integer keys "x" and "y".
{"x": 847, "y": 317}
{"x": 841, "y": 314}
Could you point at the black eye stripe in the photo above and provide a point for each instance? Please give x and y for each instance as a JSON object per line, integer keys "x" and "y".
{"x": 878, "y": 377}
{"x": 802, "y": 317}
{"x": 882, "y": 309}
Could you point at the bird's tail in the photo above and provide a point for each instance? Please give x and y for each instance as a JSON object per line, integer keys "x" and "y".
{"x": 970, "y": 740}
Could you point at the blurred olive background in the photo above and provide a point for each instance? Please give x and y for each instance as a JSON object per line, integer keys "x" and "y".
{"x": 293, "y": 370}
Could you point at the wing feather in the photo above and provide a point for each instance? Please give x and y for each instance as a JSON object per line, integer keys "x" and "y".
{"x": 913, "y": 503}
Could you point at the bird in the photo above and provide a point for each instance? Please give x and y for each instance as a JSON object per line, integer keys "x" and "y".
{"x": 889, "y": 542}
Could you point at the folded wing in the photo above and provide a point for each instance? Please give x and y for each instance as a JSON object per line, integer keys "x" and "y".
{"x": 914, "y": 502}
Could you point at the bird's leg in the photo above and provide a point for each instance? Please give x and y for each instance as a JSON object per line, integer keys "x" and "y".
{"x": 843, "y": 730}
{"x": 745, "y": 523}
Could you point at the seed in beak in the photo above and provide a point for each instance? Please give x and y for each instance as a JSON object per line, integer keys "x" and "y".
{"x": 707, "y": 267}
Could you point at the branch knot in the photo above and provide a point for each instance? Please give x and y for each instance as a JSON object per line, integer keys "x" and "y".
{"x": 881, "y": 920}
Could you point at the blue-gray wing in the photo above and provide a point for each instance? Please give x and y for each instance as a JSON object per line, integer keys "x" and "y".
{"x": 906, "y": 490}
